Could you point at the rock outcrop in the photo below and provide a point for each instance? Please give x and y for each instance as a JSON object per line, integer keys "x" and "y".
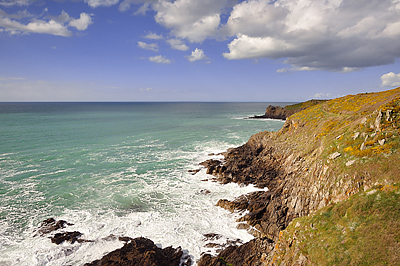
{"x": 278, "y": 112}
{"x": 141, "y": 251}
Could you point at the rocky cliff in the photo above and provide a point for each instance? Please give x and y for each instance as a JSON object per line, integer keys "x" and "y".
{"x": 278, "y": 112}
{"x": 327, "y": 171}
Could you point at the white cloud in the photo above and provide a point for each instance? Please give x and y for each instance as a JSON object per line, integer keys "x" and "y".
{"x": 62, "y": 18}
{"x": 82, "y": 22}
{"x": 37, "y": 26}
{"x": 293, "y": 69}
{"x": 153, "y": 36}
{"x": 196, "y": 55}
{"x": 255, "y": 47}
{"x": 54, "y": 25}
{"x": 322, "y": 95}
{"x": 145, "y": 5}
{"x": 178, "y": 44}
{"x": 159, "y": 59}
{"x": 190, "y": 19}
{"x": 97, "y": 3}
{"x": 335, "y": 35}
{"x": 390, "y": 80}
{"x": 255, "y": 18}
{"x": 148, "y": 46}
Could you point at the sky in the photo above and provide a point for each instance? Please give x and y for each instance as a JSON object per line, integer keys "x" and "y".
{"x": 197, "y": 50}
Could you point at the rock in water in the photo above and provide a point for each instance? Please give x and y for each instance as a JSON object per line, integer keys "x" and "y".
{"x": 50, "y": 225}
{"x": 141, "y": 251}
{"x": 71, "y": 237}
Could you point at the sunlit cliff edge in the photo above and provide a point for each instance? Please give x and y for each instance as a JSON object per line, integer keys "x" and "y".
{"x": 333, "y": 175}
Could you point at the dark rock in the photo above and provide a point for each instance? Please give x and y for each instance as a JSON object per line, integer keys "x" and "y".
{"x": 193, "y": 172}
{"x": 71, "y": 237}
{"x": 212, "y": 245}
{"x": 142, "y": 251}
{"x": 211, "y": 236}
{"x": 250, "y": 253}
{"x": 275, "y": 112}
{"x": 278, "y": 112}
{"x": 205, "y": 191}
{"x": 50, "y": 225}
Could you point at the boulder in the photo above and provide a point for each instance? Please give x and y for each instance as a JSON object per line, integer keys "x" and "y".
{"x": 50, "y": 225}
{"x": 334, "y": 155}
{"x": 142, "y": 251}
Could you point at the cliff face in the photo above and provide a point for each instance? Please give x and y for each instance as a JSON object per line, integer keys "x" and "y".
{"x": 328, "y": 154}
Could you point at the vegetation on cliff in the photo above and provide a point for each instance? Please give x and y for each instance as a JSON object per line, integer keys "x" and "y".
{"x": 363, "y": 230}
{"x": 278, "y": 112}
{"x": 332, "y": 172}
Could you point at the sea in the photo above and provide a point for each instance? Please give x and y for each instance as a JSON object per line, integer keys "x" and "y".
{"x": 118, "y": 169}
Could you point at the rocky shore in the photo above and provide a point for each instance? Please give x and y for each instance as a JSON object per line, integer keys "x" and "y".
{"x": 136, "y": 251}
{"x": 318, "y": 159}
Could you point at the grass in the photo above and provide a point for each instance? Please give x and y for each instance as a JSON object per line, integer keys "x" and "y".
{"x": 333, "y": 124}
{"x": 363, "y": 230}
{"x": 304, "y": 105}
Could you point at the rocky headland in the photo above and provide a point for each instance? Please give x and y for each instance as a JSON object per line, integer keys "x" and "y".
{"x": 332, "y": 172}
{"x": 279, "y": 112}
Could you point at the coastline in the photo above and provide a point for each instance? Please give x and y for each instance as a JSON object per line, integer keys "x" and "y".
{"x": 303, "y": 176}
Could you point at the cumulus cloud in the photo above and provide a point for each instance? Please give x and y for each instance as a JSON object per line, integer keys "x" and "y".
{"x": 145, "y": 5}
{"x": 335, "y": 35}
{"x": 82, "y": 22}
{"x": 244, "y": 47}
{"x": 322, "y": 95}
{"x": 148, "y": 46}
{"x": 62, "y": 18}
{"x": 196, "y": 55}
{"x": 153, "y": 36}
{"x": 178, "y": 44}
{"x": 190, "y": 19}
{"x": 37, "y": 26}
{"x": 52, "y": 25}
{"x": 390, "y": 80}
{"x": 159, "y": 59}
{"x": 97, "y": 3}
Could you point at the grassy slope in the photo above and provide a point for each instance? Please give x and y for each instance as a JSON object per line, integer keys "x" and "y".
{"x": 303, "y": 105}
{"x": 363, "y": 229}
{"x": 333, "y": 126}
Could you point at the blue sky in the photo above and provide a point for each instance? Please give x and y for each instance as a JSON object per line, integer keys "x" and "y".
{"x": 197, "y": 50}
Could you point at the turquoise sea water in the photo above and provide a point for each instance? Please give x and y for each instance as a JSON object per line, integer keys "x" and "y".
{"x": 116, "y": 168}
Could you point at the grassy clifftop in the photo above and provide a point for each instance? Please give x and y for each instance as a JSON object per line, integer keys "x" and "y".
{"x": 362, "y": 130}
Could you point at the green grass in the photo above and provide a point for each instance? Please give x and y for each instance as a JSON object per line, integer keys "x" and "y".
{"x": 363, "y": 230}
{"x": 304, "y": 105}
